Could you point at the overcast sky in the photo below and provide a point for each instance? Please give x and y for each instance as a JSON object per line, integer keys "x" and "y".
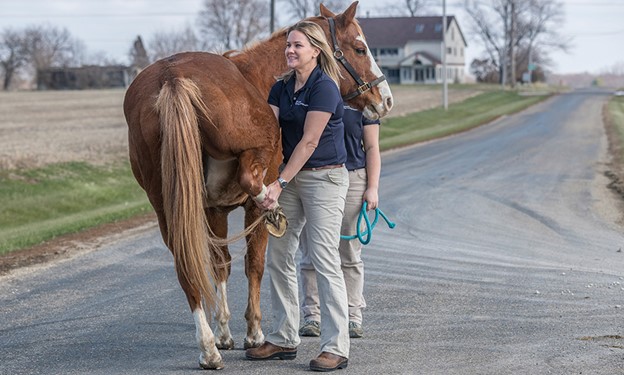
{"x": 110, "y": 26}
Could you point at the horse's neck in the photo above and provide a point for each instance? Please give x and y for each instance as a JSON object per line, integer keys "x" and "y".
{"x": 263, "y": 62}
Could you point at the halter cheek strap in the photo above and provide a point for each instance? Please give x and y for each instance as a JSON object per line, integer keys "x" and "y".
{"x": 339, "y": 55}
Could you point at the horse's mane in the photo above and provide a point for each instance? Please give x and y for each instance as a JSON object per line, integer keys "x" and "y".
{"x": 254, "y": 44}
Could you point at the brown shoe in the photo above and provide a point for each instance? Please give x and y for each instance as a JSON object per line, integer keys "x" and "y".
{"x": 328, "y": 362}
{"x": 270, "y": 351}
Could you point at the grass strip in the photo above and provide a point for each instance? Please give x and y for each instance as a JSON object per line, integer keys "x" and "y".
{"x": 435, "y": 123}
{"x": 616, "y": 118}
{"x": 40, "y": 204}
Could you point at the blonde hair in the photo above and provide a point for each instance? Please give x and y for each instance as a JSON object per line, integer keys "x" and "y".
{"x": 325, "y": 59}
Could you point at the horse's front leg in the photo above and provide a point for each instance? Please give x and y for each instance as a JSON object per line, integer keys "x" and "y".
{"x": 253, "y": 165}
{"x": 254, "y": 269}
{"x": 217, "y": 220}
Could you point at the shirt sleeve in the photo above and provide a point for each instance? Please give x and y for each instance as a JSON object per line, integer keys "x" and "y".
{"x": 324, "y": 97}
{"x": 274, "y": 94}
{"x": 367, "y": 121}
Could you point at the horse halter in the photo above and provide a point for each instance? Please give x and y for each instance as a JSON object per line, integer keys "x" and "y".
{"x": 339, "y": 55}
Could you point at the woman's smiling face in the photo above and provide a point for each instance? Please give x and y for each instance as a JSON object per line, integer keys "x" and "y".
{"x": 299, "y": 51}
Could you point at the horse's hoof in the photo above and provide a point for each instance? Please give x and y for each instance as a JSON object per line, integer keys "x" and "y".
{"x": 225, "y": 345}
{"x": 275, "y": 222}
{"x": 252, "y": 343}
{"x": 211, "y": 365}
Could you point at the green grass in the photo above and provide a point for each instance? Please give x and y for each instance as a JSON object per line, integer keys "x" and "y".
{"x": 40, "y": 204}
{"x": 616, "y": 116}
{"x": 436, "y": 123}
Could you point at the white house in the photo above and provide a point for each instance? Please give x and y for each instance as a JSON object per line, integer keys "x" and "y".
{"x": 409, "y": 49}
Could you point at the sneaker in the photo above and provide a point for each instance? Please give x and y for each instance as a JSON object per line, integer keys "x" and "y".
{"x": 355, "y": 330}
{"x": 310, "y": 328}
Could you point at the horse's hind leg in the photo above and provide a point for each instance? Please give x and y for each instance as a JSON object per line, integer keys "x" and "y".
{"x": 217, "y": 220}
{"x": 254, "y": 269}
{"x": 210, "y": 358}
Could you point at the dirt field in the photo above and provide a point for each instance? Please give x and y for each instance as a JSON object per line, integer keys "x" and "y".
{"x": 42, "y": 127}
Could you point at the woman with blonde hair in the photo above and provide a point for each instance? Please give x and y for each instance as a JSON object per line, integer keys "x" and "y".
{"x": 311, "y": 189}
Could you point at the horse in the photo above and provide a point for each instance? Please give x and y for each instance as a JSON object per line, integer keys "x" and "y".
{"x": 203, "y": 141}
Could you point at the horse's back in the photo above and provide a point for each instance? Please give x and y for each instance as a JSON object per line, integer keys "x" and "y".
{"x": 239, "y": 116}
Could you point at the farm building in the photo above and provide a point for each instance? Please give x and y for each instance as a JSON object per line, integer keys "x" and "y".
{"x": 410, "y": 49}
{"x": 84, "y": 77}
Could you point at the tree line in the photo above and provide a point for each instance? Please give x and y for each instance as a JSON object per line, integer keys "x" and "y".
{"x": 516, "y": 35}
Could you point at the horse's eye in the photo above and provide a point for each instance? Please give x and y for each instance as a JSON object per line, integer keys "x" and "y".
{"x": 360, "y": 51}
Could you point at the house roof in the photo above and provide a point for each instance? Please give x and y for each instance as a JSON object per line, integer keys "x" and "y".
{"x": 397, "y": 31}
{"x": 420, "y": 55}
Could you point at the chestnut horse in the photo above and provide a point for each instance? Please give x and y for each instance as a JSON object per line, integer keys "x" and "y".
{"x": 203, "y": 141}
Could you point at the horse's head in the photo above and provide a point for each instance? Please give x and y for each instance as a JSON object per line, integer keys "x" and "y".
{"x": 363, "y": 85}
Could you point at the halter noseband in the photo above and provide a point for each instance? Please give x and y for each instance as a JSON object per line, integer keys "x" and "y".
{"x": 339, "y": 55}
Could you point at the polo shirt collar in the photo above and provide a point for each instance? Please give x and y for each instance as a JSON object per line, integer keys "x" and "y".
{"x": 314, "y": 76}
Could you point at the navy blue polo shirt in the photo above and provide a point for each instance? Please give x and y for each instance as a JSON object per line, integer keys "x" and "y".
{"x": 354, "y": 123}
{"x": 319, "y": 93}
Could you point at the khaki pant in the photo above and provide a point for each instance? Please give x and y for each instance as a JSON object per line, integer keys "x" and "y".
{"x": 350, "y": 258}
{"x": 315, "y": 199}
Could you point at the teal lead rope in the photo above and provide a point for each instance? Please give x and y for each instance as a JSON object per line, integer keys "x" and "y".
{"x": 369, "y": 227}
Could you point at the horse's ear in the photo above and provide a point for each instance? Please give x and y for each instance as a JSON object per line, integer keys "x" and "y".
{"x": 349, "y": 14}
{"x": 326, "y": 12}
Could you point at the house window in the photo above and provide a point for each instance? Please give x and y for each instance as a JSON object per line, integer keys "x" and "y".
{"x": 373, "y": 52}
{"x": 449, "y": 50}
{"x": 388, "y": 51}
{"x": 452, "y": 34}
{"x": 407, "y": 74}
{"x": 438, "y": 27}
{"x": 420, "y": 28}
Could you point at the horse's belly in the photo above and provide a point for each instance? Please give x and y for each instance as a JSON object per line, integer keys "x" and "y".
{"x": 222, "y": 188}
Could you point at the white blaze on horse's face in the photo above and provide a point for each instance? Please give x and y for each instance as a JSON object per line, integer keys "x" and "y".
{"x": 380, "y": 109}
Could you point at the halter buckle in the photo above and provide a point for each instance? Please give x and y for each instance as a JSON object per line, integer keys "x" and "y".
{"x": 365, "y": 87}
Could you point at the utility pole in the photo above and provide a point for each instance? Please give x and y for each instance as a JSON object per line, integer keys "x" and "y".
{"x": 272, "y": 25}
{"x": 512, "y": 42}
{"x": 444, "y": 72}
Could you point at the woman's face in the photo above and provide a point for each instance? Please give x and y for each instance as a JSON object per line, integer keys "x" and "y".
{"x": 300, "y": 53}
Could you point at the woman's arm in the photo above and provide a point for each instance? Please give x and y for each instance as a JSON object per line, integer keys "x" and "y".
{"x": 315, "y": 123}
{"x": 373, "y": 165}
{"x": 275, "y": 111}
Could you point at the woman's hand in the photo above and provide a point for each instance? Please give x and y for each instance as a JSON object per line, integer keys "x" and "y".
{"x": 371, "y": 197}
{"x": 271, "y": 196}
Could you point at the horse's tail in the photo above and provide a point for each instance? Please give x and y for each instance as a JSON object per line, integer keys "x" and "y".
{"x": 189, "y": 236}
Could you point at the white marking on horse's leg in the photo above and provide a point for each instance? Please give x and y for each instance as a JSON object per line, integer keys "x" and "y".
{"x": 223, "y": 335}
{"x": 255, "y": 337}
{"x": 260, "y": 197}
{"x": 210, "y": 358}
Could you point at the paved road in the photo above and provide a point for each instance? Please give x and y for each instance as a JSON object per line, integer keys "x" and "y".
{"x": 505, "y": 260}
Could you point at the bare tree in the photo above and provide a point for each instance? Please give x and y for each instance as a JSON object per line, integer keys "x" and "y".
{"x": 505, "y": 26}
{"x": 415, "y": 7}
{"x": 49, "y": 46}
{"x": 300, "y": 9}
{"x": 163, "y": 44}
{"x": 12, "y": 55}
{"x": 230, "y": 24}
{"x": 405, "y": 8}
{"x": 138, "y": 54}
